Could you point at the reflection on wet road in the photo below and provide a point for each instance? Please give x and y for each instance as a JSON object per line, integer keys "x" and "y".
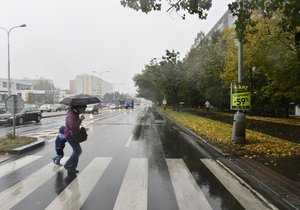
{"x": 132, "y": 160}
{"x": 176, "y": 146}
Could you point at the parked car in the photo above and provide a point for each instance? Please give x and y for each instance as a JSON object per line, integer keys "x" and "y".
{"x": 92, "y": 108}
{"x": 2, "y": 109}
{"x": 45, "y": 108}
{"x": 29, "y": 113}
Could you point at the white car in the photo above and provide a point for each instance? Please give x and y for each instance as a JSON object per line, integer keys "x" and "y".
{"x": 45, "y": 108}
{"x": 113, "y": 106}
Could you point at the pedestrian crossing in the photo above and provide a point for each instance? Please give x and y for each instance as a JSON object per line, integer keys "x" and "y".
{"x": 86, "y": 180}
{"x": 186, "y": 188}
{"x": 133, "y": 191}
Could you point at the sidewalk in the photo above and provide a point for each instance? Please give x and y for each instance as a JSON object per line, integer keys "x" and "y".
{"x": 280, "y": 190}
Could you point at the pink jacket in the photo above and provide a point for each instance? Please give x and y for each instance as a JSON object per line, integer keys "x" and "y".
{"x": 72, "y": 122}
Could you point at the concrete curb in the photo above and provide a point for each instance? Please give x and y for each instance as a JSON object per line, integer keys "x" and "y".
{"x": 40, "y": 142}
{"x": 52, "y": 114}
{"x": 214, "y": 150}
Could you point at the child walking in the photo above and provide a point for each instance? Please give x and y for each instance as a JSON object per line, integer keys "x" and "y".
{"x": 60, "y": 142}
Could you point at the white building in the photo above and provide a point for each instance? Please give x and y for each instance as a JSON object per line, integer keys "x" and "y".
{"x": 92, "y": 85}
{"x": 16, "y": 87}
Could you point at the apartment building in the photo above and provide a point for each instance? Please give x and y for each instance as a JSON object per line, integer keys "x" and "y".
{"x": 92, "y": 85}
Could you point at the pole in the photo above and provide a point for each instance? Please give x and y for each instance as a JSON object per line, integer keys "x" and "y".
{"x": 240, "y": 62}
{"x": 8, "y": 55}
{"x": 8, "y": 64}
{"x": 238, "y": 128}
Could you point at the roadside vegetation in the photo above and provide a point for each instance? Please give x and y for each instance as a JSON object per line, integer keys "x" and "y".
{"x": 270, "y": 33}
{"x": 219, "y": 134}
{"x": 10, "y": 142}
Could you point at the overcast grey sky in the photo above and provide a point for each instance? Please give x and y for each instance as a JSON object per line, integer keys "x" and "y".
{"x": 64, "y": 38}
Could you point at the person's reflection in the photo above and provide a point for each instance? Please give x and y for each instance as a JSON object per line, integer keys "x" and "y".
{"x": 75, "y": 195}
{"x": 60, "y": 184}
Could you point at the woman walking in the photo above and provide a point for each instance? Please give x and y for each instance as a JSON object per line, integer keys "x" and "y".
{"x": 73, "y": 122}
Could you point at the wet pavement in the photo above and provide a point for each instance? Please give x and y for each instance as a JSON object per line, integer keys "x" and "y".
{"x": 277, "y": 180}
{"x": 174, "y": 142}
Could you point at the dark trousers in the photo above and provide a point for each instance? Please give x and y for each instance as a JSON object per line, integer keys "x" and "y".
{"x": 72, "y": 162}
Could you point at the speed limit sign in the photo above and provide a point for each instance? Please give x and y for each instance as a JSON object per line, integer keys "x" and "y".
{"x": 240, "y": 96}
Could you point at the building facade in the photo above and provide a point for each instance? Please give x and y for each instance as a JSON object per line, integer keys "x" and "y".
{"x": 226, "y": 21}
{"x": 25, "y": 89}
{"x": 16, "y": 87}
{"x": 92, "y": 85}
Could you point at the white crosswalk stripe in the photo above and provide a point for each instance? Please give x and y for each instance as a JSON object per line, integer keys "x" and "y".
{"x": 72, "y": 197}
{"x": 188, "y": 193}
{"x": 15, "y": 193}
{"x": 14, "y": 165}
{"x": 245, "y": 195}
{"x": 133, "y": 192}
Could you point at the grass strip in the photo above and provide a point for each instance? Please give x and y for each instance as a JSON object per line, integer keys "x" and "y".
{"x": 219, "y": 134}
{"x": 7, "y": 144}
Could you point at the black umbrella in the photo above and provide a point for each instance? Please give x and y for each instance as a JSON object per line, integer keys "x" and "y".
{"x": 80, "y": 100}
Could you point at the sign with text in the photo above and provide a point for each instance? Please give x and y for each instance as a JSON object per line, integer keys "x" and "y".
{"x": 240, "y": 96}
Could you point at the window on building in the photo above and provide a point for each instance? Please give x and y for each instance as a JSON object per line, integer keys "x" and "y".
{"x": 23, "y": 87}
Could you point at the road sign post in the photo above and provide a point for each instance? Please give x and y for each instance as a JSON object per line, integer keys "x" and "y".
{"x": 14, "y": 104}
{"x": 240, "y": 100}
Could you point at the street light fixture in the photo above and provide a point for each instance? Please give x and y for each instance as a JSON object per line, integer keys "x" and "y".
{"x": 100, "y": 75}
{"x": 8, "y": 53}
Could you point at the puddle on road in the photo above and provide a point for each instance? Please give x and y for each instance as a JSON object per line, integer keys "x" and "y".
{"x": 137, "y": 133}
{"x": 176, "y": 146}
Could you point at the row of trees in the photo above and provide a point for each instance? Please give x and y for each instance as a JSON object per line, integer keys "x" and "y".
{"x": 271, "y": 62}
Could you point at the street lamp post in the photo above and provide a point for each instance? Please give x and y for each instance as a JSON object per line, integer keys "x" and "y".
{"x": 100, "y": 75}
{"x": 8, "y": 53}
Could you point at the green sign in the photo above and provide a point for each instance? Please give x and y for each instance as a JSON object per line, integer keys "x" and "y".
{"x": 240, "y": 96}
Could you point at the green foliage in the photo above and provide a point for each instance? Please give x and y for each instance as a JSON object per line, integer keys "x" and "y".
{"x": 164, "y": 78}
{"x": 10, "y": 135}
{"x": 243, "y": 9}
{"x": 198, "y": 7}
{"x": 271, "y": 62}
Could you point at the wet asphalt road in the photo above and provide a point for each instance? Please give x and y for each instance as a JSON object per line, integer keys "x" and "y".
{"x": 136, "y": 148}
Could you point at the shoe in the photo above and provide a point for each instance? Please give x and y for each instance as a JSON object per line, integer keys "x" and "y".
{"x": 72, "y": 171}
{"x": 56, "y": 162}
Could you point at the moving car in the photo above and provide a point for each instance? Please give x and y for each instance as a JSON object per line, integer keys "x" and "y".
{"x": 29, "y": 113}
{"x": 129, "y": 103}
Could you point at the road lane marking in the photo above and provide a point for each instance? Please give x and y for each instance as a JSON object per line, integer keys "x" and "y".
{"x": 187, "y": 192}
{"x": 16, "y": 164}
{"x": 78, "y": 190}
{"x": 134, "y": 188}
{"x": 237, "y": 187}
{"x": 129, "y": 140}
{"x": 17, "y": 192}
